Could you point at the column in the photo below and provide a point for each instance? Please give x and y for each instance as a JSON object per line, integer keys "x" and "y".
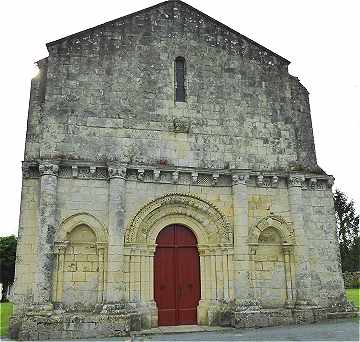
{"x": 302, "y": 265}
{"x": 47, "y": 226}
{"x": 241, "y": 259}
{"x": 101, "y": 271}
{"x": 115, "y": 278}
{"x": 58, "y": 287}
{"x": 288, "y": 275}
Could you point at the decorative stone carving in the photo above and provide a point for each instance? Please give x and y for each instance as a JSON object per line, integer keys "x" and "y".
{"x": 240, "y": 179}
{"x": 26, "y": 170}
{"x": 215, "y": 178}
{"x": 156, "y": 175}
{"x": 71, "y": 98}
{"x": 274, "y": 181}
{"x": 48, "y": 169}
{"x": 312, "y": 183}
{"x": 92, "y": 170}
{"x": 296, "y": 180}
{"x": 175, "y": 176}
{"x": 140, "y": 174}
{"x": 181, "y": 126}
{"x": 330, "y": 182}
{"x": 117, "y": 172}
{"x": 277, "y": 222}
{"x": 194, "y": 177}
{"x": 75, "y": 171}
{"x": 260, "y": 180}
{"x": 188, "y": 205}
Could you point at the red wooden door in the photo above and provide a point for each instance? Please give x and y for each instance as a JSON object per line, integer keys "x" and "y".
{"x": 177, "y": 276}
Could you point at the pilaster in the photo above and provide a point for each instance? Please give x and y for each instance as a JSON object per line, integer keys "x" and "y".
{"x": 117, "y": 188}
{"x": 302, "y": 264}
{"x": 47, "y": 225}
{"x": 241, "y": 260}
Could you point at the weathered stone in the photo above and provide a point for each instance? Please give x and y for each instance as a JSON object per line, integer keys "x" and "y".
{"x": 119, "y": 147}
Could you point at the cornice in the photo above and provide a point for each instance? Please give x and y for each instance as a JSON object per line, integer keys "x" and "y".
{"x": 176, "y": 175}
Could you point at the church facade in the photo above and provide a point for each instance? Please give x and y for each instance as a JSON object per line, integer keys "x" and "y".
{"x": 170, "y": 178}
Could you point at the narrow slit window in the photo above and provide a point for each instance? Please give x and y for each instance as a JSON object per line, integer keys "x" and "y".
{"x": 180, "y": 79}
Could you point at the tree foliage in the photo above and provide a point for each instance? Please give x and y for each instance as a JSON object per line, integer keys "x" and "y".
{"x": 7, "y": 262}
{"x": 348, "y": 232}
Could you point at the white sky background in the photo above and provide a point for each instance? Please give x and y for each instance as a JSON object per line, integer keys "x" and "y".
{"x": 320, "y": 38}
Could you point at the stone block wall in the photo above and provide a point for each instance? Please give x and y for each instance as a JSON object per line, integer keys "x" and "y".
{"x": 27, "y": 245}
{"x": 320, "y": 229}
{"x": 109, "y": 95}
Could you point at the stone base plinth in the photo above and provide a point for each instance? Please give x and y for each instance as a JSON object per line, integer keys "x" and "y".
{"x": 68, "y": 326}
{"x": 111, "y": 320}
{"x": 229, "y": 315}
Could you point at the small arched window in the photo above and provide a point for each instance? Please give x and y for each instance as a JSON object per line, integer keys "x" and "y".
{"x": 180, "y": 92}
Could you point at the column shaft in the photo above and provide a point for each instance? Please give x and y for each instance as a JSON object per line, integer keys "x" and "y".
{"x": 115, "y": 279}
{"x": 242, "y": 287}
{"x": 46, "y": 231}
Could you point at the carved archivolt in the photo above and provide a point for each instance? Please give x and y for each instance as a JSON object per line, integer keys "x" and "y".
{"x": 277, "y": 222}
{"x": 213, "y": 226}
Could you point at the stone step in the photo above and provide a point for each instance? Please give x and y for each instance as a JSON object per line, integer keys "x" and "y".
{"x": 178, "y": 329}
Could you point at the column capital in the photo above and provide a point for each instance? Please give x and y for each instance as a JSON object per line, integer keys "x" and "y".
{"x": 239, "y": 179}
{"x": 296, "y": 180}
{"x": 331, "y": 181}
{"x": 287, "y": 249}
{"x": 117, "y": 171}
{"x": 47, "y": 168}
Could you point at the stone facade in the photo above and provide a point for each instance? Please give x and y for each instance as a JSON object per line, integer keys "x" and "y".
{"x": 111, "y": 158}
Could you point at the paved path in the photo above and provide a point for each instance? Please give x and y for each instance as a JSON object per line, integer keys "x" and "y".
{"x": 334, "y": 330}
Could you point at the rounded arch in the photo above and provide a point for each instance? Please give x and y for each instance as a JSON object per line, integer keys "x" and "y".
{"x": 188, "y": 222}
{"x": 76, "y": 220}
{"x": 201, "y": 216}
{"x": 276, "y": 222}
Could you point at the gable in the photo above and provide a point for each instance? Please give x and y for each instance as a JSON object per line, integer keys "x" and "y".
{"x": 184, "y": 18}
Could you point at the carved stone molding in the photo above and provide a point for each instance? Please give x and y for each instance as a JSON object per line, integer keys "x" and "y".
{"x": 71, "y": 98}
{"x": 194, "y": 177}
{"x": 284, "y": 229}
{"x": 267, "y": 181}
{"x": 331, "y": 181}
{"x": 181, "y": 126}
{"x": 215, "y": 178}
{"x": 75, "y": 171}
{"x": 140, "y": 174}
{"x": 206, "y": 214}
{"x": 156, "y": 175}
{"x": 296, "y": 180}
{"x": 275, "y": 181}
{"x": 240, "y": 179}
{"x": 117, "y": 172}
{"x": 175, "y": 177}
{"x": 312, "y": 183}
{"x": 48, "y": 169}
{"x": 260, "y": 180}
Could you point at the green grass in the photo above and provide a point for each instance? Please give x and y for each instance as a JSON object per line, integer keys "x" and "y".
{"x": 6, "y": 310}
{"x": 353, "y": 296}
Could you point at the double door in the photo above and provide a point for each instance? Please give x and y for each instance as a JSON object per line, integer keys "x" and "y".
{"x": 176, "y": 276}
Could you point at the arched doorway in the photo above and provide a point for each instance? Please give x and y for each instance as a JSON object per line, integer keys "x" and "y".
{"x": 176, "y": 276}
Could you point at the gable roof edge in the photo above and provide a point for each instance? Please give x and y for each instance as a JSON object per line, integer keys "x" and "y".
{"x": 77, "y": 34}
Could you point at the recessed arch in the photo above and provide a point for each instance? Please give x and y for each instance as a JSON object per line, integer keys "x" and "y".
{"x": 275, "y": 222}
{"x": 76, "y": 220}
{"x": 208, "y": 223}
